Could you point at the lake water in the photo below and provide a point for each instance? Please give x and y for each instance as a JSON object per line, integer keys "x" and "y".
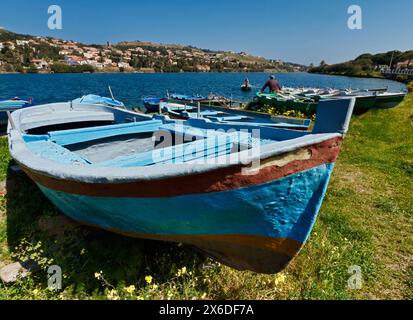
{"x": 130, "y": 88}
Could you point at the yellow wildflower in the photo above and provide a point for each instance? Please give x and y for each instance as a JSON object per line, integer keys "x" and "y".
{"x": 130, "y": 289}
{"x": 181, "y": 272}
{"x": 280, "y": 278}
{"x": 112, "y": 295}
{"x": 148, "y": 279}
{"x": 98, "y": 275}
{"x": 36, "y": 292}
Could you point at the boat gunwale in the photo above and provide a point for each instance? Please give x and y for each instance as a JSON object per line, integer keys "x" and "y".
{"x": 22, "y": 154}
{"x": 294, "y": 140}
{"x": 88, "y": 174}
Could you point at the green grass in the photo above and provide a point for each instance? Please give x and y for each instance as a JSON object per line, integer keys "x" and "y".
{"x": 365, "y": 220}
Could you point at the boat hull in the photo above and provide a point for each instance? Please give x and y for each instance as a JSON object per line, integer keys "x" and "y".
{"x": 3, "y": 118}
{"x": 151, "y": 107}
{"x": 255, "y": 222}
{"x": 363, "y": 103}
{"x": 245, "y": 88}
{"x": 388, "y": 101}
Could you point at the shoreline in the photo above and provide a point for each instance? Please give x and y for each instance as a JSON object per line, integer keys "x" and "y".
{"x": 155, "y": 72}
{"x": 407, "y": 81}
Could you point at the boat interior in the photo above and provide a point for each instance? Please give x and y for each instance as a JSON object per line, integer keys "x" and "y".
{"x": 101, "y": 136}
{"x": 110, "y": 137}
{"x": 226, "y": 115}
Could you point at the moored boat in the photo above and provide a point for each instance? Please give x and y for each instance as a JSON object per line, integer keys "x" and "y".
{"x": 12, "y": 105}
{"x": 151, "y": 103}
{"x": 282, "y": 101}
{"x": 307, "y": 100}
{"x": 99, "y": 100}
{"x": 364, "y": 102}
{"x": 248, "y": 196}
{"x": 187, "y": 98}
{"x": 234, "y": 116}
{"x": 246, "y": 87}
{"x": 387, "y": 100}
{"x": 214, "y": 100}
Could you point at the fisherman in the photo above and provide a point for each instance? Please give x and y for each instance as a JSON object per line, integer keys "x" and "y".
{"x": 272, "y": 84}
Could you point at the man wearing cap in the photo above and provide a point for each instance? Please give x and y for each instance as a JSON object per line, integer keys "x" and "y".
{"x": 272, "y": 84}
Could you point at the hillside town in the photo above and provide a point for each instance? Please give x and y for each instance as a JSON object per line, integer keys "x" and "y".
{"x": 35, "y": 54}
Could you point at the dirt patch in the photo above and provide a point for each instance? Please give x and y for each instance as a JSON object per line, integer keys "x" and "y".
{"x": 353, "y": 178}
{"x": 56, "y": 225}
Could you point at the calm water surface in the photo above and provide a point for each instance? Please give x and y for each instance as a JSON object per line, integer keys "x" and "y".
{"x": 130, "y": 88}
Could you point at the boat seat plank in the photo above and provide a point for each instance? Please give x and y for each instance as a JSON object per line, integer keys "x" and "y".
{"x": 42, "y": 119}
{"x": 203, "y": 113}
{"x": 52, "y": 151}
{"x": 205, "y": 148}
{"x": 192, "y": 131}
{"x": 178, "y": 108}
{"x": 269, "y": 125}
{"x": 73, "y": 136}
{"x": 229, "y": 118}
{"x": 302, "y": 122}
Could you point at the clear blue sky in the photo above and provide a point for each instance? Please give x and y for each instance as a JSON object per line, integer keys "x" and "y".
{"x": 302, "y": 31}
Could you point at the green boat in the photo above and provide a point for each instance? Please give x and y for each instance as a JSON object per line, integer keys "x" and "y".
{"x": 389, "y": 100}
{"x": 363, "y": 102}
{"x": 290, "y": 103}
{"x": 308, "y": 104}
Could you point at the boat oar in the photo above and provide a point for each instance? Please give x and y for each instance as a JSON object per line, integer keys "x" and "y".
{"x": 111, "y": 94}
{"x": 13, "y": 125}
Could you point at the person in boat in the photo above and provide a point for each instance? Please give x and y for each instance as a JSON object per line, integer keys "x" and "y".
{"x": 272, "y": 84}
{"x": 246, "y": 83}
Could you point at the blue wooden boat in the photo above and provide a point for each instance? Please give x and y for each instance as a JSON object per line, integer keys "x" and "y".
{"x": 247, "y": 196}
{"x": 187, "y": 98}
{"x": 233, "y": 116}
{"x": 12, "y": 105}
{"x": 151, "y": 103}
{"x": 95, "y": 99}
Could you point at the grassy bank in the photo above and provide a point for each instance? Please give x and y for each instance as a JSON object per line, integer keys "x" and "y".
{"x": 365, "y": 221}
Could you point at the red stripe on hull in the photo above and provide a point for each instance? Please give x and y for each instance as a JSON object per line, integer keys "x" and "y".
{"x": 214, "y": 181}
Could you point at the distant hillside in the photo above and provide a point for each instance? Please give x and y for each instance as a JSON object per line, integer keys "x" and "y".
{"x": 25, "y": 53}
{"x": 368, "y": 65}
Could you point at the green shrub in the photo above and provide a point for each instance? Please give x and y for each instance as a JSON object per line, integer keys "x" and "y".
{"x": 63, "y": 68}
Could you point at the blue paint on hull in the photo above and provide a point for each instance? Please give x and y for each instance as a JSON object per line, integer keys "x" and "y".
{"x": 284, "y": 208}
{"x": 3, "y": 118}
